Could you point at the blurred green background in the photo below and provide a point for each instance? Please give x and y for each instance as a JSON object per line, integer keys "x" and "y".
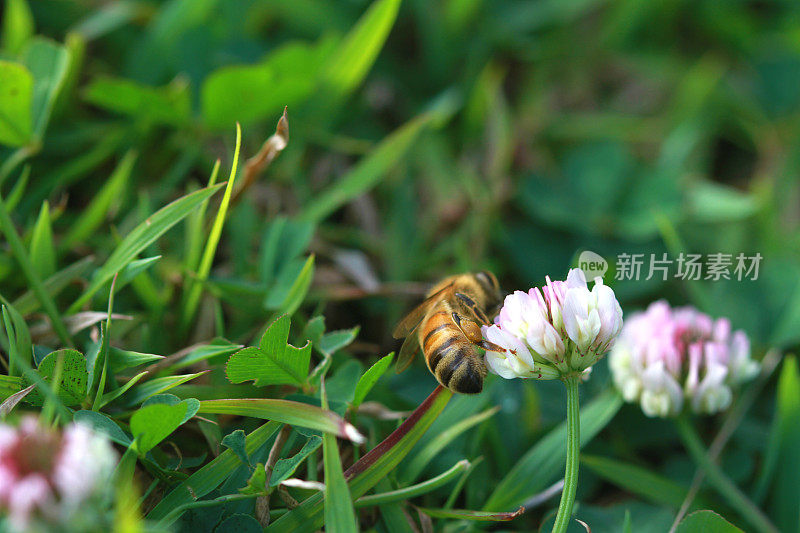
{"x": 481, "y": 134}
{"x": 548, "y": 127}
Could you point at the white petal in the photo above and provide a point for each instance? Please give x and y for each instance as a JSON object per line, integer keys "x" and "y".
{"x": 576, "y": 278}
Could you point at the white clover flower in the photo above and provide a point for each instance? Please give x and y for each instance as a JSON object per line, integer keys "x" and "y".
{"x": 554, "y": 330}
{"x": 667, "y": 358}
{"x": 48, "y": 476}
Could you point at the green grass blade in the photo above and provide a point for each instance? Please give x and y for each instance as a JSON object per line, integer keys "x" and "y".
{"x": 355, "y": 56}
{"x": 369, "y": 379}
{"x": 193, "y": 299}
{"x": 143, "y": 236}
{"x": 778, "y": 478}
{"x": 299, "y": 288}
{"x": 368, "y": 172}
{"x": 465, "y": 514}
{"x": 286, "y": 411}
{"x": 415, "y": 490}
{"x": 440, "y": 442}
{"x": 27, "y": 303}
{"x": 116, "y": 393}
{"x": 371, "y": 468}
{"x": 18, "y": 190}
{"x": 20, "y": 349}
{"x": 21, "y": 255}
{"x": 93, "y": 216}
{"x": 195, "y": 230}
{"x": 640, "y": 481}
{"x": 43, "y": 251}
{"x": 157, "y": 386}
{"x": 339, "y": 514}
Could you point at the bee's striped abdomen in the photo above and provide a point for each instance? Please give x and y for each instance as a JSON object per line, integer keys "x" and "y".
{"x": 453, "y": 359}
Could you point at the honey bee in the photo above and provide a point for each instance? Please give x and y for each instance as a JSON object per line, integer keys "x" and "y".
{"x": 446, "y": 326}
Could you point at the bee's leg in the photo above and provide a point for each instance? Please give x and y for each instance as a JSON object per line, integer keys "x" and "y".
{"x": 472, "y": 332}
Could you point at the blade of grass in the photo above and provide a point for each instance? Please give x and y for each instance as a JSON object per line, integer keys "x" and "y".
{"x": 369, "y": 379}
{"x": 116, "y": 393}
{"x": 27, "y": 303}
{"x": 157, "y": 386}
{"x": 415, "y": 490}
{"x": 21, "y": 255}
{"x": 339, "y": 514}
{"x": 18, "y": 26}
{"x": 777, "y": 481}
{"x": 50, "y": 403}
{"x": 258, "y": 163}
{"x": 102, "y": 355}
{"x": 10, "y": 384}
{"x": 92, "y": 217}
{"x": 299, "y": 288}
{"x": 143, "y": 236}
{"x": 368, "y": 172}
{"x": 371, "y": 468}
{"x": 451, "y": 500}
{"x": 178, "y": 511}
{"x": 20, "y": 349}
{"x": 287, "y": 412}
{"x": 464, "y": 514}
{"x": 195, "y": 227}
{"x": 440, "y": 442}
{"x": 19, "y": 188}
{"x": 16, "y": 158}
{"x": 640, "y": 481}
{"x": 193, "y": 298}
{"x": 351, "y": 62}
{"x": 394, "y": 517}
{"x": 43, "y": 251}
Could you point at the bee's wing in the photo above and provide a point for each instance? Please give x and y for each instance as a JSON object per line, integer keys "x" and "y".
{"x": 412, "y": 319}
{"x": 407, "y": 351}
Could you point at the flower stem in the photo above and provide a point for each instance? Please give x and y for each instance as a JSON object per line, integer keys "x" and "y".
{"x": 573, "y": 450}
{"x": 721, "y": 482}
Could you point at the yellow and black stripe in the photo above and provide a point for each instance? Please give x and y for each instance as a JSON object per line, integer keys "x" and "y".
{"x": 450, "y": 356}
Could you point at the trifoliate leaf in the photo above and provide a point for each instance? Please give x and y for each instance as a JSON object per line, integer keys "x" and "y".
{"x": 274, "y": 361}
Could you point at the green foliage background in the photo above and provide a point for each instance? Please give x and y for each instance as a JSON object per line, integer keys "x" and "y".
{"x": 426, "y": 138}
